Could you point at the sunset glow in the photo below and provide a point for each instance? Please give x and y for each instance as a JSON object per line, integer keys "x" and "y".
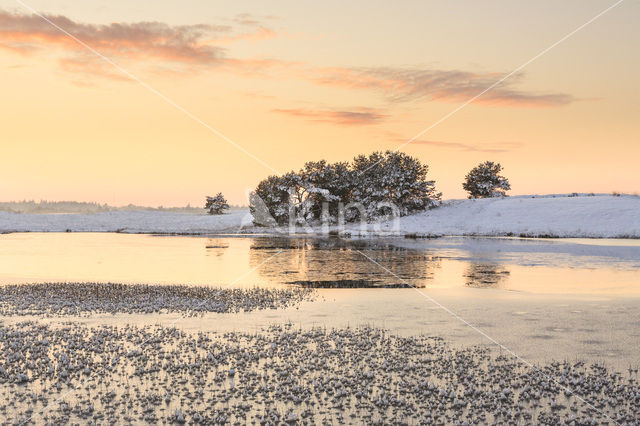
{"x": 289, "y": 82}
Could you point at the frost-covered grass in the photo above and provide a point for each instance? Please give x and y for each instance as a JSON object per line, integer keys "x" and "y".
{"x": 600, "y": 216}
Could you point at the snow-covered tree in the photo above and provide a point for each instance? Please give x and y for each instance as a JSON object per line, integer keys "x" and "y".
{"x": 485, "y": 181}
{"x": 392, "y": 177}
{"x": 270, "y": 201}
{"x": 387, "y": 178}
{"x": 302, "y": 192}
{"x": 326, "y": 183}
{"x": 217, "y": 204}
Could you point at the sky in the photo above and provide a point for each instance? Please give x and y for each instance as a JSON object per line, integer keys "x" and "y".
{"x": 162, "y": 103}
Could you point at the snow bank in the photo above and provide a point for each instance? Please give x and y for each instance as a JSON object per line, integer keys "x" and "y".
{"x": 602, "y": 216}
{"x": 559, "y": 216}
{"x": 126, "y": 222}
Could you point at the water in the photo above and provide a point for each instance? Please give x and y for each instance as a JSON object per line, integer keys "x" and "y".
{"x": 543, "y": 299}
{"x": 579, "y": 267}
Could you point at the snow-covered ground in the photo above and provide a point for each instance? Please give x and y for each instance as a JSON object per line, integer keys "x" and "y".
{"x": 126, "y": 222}
{"x": 602, "y": 216}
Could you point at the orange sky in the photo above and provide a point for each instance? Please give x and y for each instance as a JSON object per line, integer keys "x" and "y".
{"x": 292, "y": 81}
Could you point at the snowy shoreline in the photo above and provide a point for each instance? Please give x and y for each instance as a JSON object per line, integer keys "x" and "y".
{"x": 559, "y": 216}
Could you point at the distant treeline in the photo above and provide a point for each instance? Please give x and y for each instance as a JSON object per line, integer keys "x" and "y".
{"x": 86, "y": 207}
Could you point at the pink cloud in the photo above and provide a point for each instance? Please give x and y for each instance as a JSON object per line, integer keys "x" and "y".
{"x": 400, "y": 84}
{"x": 179, "y": 48}
{"x": 357, "y": 117}
{"x": 186, "y": 49}
{"x": 136, "y": 40}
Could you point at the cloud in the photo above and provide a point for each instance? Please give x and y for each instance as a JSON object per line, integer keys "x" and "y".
{"x": 87, "y": 65}
{"x": 179, "y": 48}
{"x": 404, "y": 84}
{"x": 491, "y": 148}
{"x": 18, "y": 47}
{"x": 259, "y": 34}
{"x": 357, "y": 117}
{"x": 246, "y": 19}
{"x": 186, "y": 49}
{"x": 186, "y": 43}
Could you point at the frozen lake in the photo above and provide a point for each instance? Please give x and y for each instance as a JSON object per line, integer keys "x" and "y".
{"x": 544, "y": 299}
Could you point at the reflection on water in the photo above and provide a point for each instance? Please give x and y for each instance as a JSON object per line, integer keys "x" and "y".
{"x": 562, "y": 292}
{"x": 322, "y": 262}
{"x": 483, "y": 275}
{"x": 216, "y": 249}
{"x": 332, "y": 263}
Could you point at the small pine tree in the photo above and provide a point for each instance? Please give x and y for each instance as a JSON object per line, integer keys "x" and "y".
{"x": 485, "y": 181}
{"x": 217, "y": 204}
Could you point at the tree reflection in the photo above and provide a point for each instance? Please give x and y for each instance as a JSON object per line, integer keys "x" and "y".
{"x": 338, "y": 263}
{"x": 485, "y": 275}
{"x": 216, "y": 247}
